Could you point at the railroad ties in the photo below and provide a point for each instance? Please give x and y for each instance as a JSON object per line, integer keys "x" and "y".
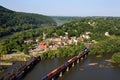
{"x": 59, "y": 71}
{"x": 21, "y": 71}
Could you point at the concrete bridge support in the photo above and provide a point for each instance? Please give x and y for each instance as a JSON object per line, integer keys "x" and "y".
{"x": 61, "y": 73}
{"x": 82, "y": 58}
{"x": 73, "y": 64}
{"x": 52, "y": 79}
{"x": 67, "y": 69}
{"x": 78, "y": 60}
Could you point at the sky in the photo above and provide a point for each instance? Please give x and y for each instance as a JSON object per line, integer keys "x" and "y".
{"x": 65, "y": 7}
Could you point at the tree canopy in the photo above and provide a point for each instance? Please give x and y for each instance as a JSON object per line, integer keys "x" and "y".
{"x": 11, "y": 21}
{"x": 97, "y": 27}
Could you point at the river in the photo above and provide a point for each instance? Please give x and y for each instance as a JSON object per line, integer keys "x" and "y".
{"x": 59, "y": 23}
{"x": 104, "y": 70}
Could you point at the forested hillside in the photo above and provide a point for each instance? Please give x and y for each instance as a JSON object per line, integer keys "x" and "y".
{"x": 11, "y": 21}
{"x": 97, "y": 27}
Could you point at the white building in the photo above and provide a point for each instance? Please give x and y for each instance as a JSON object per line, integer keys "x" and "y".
{"x": 107, "y": 34}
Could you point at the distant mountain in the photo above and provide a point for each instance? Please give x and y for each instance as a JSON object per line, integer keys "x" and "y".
{"x": 11, "y": 21}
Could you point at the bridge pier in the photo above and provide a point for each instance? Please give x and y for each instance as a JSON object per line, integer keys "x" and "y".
{"x": 28, "y": 67}
{"x": 82, "y": 58}
{"x": 78, "y": 60}
{"x": 73, "y": 64}
{"x": 61, "y": 73}
{"x": 67, "y": 69}
{"x": 52, "y": 79}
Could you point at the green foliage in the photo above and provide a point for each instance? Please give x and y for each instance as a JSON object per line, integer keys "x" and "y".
{"x": 97, "y": 27}
{"x": 11, "y": 21}
{"x": 25, "y": 49}
{"x": 107, "y": 46}
{"x": 116, "y": 57}
{"x": 65, "y": 51}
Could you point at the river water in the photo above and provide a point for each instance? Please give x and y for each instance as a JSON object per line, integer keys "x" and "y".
{"x": 104, "y": 70}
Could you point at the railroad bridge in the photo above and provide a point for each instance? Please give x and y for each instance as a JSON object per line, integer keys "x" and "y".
{"x": 22, "y": 70}
{"x": 59, "y": 71}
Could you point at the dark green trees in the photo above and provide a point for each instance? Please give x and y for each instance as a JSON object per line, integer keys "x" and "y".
{"x": 116, "y": 57}
{"x": 11, "y": 21}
